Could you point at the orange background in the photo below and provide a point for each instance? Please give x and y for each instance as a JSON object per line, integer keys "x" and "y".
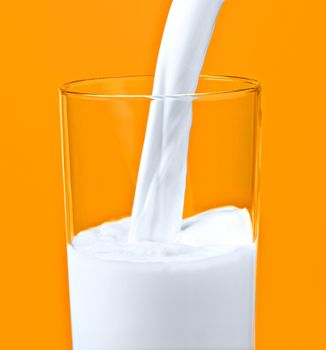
{"x": 281, "y": 43}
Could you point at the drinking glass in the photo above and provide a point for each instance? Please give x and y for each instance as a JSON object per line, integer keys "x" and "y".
{"x": 103, "y": 124}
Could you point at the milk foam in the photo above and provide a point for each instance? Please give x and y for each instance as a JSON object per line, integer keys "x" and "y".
{"x": 211, "y": 233}
{"x": 159, "y": 197}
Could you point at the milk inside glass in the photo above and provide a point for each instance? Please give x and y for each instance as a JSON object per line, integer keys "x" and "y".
{"x": 194, "y": 293}
{"x": 155, "y": 280}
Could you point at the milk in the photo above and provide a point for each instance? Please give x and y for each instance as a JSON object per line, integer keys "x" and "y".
{"x": 159, "y": 197}
{"x": 155, "y": 281}
{"x": 195, "y": 292}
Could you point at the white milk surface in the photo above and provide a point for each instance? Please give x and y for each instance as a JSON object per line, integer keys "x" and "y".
{"x": 195, "y": 292}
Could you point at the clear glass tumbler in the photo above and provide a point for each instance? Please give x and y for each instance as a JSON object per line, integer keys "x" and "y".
{"x": 196, "y": 301}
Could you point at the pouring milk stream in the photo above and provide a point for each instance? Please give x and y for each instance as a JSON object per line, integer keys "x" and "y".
{"x": 159, "y": 198}
{"x": 157, "y": 281}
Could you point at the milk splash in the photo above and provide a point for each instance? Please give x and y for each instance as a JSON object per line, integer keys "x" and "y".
{"x": 159, "y": 197}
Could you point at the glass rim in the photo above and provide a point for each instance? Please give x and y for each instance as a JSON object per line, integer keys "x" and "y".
{"x": 252, "y": 85}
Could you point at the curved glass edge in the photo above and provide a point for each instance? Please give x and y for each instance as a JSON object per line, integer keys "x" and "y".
{"x": 252, "y": 86}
